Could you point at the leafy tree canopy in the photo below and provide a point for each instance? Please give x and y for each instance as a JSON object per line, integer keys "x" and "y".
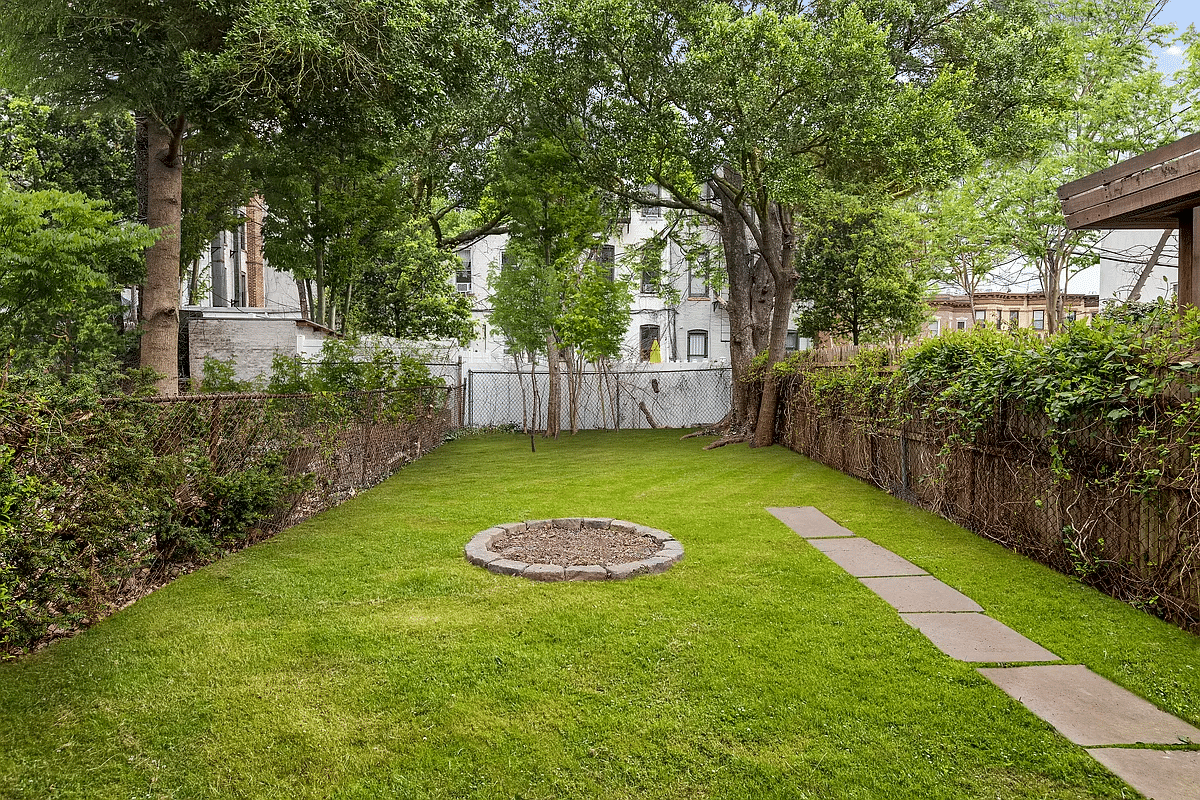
{"x": 63, "y": 259}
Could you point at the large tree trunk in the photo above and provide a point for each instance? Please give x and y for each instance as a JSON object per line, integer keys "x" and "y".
{"x": 745, "y": 277}
{"x": 160, "y": 295}
{"x": 778, "y": 246}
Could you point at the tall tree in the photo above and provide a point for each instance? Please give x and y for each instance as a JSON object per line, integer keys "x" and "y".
{"x": 786, "y": 113}
{"x": 1119, "y": 105}
{"x": 556, "y": 217}
{"x": 197, "y": 63}
{"x": 965, "y": 240}
{"x": 862, "y": 279}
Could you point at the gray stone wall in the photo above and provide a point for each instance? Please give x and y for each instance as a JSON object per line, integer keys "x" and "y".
{"x": 251, "y": 343}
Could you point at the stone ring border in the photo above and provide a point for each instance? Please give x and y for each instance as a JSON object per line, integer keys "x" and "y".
{"x": 670, "y": 552}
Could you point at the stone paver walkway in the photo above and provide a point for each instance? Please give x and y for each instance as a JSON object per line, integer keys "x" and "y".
{"x": 1085, "y": 708}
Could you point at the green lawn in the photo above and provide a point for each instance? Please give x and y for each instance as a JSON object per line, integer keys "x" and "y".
{"x": 359, "y": 655}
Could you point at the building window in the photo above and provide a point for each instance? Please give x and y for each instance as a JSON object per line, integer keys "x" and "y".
{"x": 1071, "y": 315}
{"x": 1014, "y": 318}
{"x": 697, "y": 345}
{"x": 507, "y": 261}
{"x": 791, "y": 342}
{"x": 462, "y": 279}
{"x": 935, "y": 328}
{"x": 650, "y": 276}
{"x": 1039, "y": 319}
{"x": 962, "y": 325}
{"x": 698, "y": 278}
{"x": 606, "y": 257}
{"x": 649, "y": 336}
{"x": 980, "y": 316}
{"x": 652, "y": 212}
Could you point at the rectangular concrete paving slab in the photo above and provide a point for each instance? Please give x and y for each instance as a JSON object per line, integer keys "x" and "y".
{"x": 863, "y": 558}
{"x": 809, "y": 522}
{"x": 916, "y": 593}
{"x": 1088, "y": 709}
{"x": 976, "y": 638}
{"x": 1158, "y": 774}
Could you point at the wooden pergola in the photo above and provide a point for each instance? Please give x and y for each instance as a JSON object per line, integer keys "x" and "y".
{"x": 1159, "y": 189}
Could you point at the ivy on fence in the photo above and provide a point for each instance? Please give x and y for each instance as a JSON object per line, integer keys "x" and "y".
{"x": 1081, "y": 449}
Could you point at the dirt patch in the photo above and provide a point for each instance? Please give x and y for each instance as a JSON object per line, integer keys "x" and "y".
{"x": 551, "y": 544}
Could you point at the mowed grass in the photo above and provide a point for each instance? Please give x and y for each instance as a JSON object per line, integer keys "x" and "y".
{"x": 359, "y": 655}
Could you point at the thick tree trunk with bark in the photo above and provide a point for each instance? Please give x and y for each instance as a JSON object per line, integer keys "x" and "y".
{"x": 777, "y": 242}
{"x": 160, "y": 295}
{"x": 746, "y": 283}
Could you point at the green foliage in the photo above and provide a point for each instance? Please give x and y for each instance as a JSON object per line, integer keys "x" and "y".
{"x": 549, "y": 286}
{"x": 596, "y": 312}
{"x": 860, "y": 279}
{"x": 44, "y": 146}
{"x": 92, "y": 491}
{"x": 63, "y": 259}
{"x": 340, "y": 223}
{"x": 407, "y": 291}
{"x": 220, "y": 509}
{"x": 348, "y": 365}
{"x": 220, "y": 377}
{"x": 1129, "y": 379}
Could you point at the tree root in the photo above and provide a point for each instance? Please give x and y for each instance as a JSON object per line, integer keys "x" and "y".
{"x": 727, "y": 440}
{"x": 723, "y": 427}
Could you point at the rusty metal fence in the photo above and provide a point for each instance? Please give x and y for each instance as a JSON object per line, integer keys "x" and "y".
{"x": 1142, "y": 547}
{"x": 342, "y": 443}
{"x": 605, "y": 400}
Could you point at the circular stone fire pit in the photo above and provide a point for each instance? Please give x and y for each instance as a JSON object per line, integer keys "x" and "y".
{"x": 574, "y": 549}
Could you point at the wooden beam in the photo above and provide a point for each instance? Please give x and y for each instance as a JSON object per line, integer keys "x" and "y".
{"x": 1132, "y": 166}
{"x": 1134, "y": 183}
{"x": 1187, "y": 293}
{"x": 1173, "y": 191}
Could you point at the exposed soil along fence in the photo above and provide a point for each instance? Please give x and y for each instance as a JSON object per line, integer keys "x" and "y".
{"x": 102, "y": 500}
{"x": 1087, "y": 499}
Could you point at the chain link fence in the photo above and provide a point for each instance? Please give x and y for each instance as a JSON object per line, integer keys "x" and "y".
{"x": 343, "y": 443}
{"x": 606, "y": 400}
{"x": 104, "y": 500}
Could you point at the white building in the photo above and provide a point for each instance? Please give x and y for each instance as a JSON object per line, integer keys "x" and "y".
{"x": 693, "y": 331}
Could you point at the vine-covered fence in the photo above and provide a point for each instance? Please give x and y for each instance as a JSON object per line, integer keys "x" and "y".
{"x": 101, "y": 500}
{"x": 1054, "y": 496}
